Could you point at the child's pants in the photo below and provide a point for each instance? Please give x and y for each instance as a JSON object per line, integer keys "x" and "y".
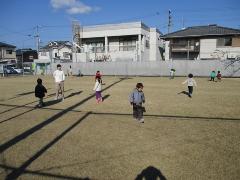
{"x": 98, "y": 95}
{"x": 137, "y": 111}
{"x": 59, "y": 87}
{"x": 190, "y": 90}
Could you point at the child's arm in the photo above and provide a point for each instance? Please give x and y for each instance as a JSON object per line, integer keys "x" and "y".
{"x": 143, "y": 98}
{"x": 131, "y": 98}
{"x": 184, "y": 82}
{"x": 63, "y": 76}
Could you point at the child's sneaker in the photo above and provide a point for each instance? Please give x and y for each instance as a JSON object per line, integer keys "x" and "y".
{"x": 141, "y": 120}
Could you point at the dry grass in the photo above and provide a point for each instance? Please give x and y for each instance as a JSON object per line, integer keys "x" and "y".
{"x": 181, "y": 138}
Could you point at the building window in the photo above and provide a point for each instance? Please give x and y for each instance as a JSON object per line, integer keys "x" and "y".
{"x": 65, "y": 54}
{"x": 96, "y": 47}
{"x": 147, "y": 44}
{"x": 43, "y": 54}
{"x": 56, "y": 55}
{"x": 227, "y": 41}
{"x": 127, "y": 44}
{"x": 9, "y": 51}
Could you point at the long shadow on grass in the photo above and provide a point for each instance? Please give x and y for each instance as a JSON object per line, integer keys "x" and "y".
{"x": 50, "y": 95}
{"x": 174, "y": 117}
{"x": 23, "y": 94}
{"x": 47, "y": 103}
{"x": 105, "y": 97}
{"x": 171, "y": 117}
{"x": 42, "y": 174}
{"x": 39, "y": 126}
{"x": 150, "y": 173}
{"x": 18, "y": 171}
{"x": 184, "y": 92}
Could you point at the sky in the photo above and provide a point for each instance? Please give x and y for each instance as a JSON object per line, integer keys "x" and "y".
{"x": 20, "y": 19}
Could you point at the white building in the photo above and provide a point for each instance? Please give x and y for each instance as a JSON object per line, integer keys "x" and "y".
{"x": 203, "y": 42}
{"x": 56, "y": 51}
{"x": 119, "y": 42}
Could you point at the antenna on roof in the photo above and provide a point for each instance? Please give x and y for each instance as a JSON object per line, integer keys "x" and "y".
{"x": 169, "y": 20}
{"x": 183, "y": 23}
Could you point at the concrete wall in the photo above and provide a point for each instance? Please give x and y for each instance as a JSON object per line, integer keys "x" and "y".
{"x": 207, "y": 47}
{"x": 156, "y": 68}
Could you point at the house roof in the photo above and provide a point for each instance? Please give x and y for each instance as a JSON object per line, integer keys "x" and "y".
{"x": 199, "y": 31}
{"x": 6, "y": 45}
{"x": 57, "y": 45}
{"x": 23, "y": 51}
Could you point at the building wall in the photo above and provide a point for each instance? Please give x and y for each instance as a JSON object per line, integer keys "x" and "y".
{"x": 5, "y": 55}
{"x": 115, "y": 31}
{"x": 41, "y": 56}
{"x": 207, "y": 47}
{"x": 111, "y": 56}
{"x": 156, "y": 68}
{"x": 51, "y": 53}
{"x": 155, "y": 43}
{"x": 167, "y": 50}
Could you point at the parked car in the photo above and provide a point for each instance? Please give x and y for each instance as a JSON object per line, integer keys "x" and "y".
{"x": 20, "y": 71}
{"x": 9, "y": 70}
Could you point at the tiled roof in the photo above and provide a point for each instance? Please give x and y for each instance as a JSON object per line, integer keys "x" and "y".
{"x": 198, "y": 31}
{"x": 6, "y": 45}
{"x": 57, "y": 44}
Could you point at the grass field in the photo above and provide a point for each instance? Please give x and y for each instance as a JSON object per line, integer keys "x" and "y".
{"x": 182, "y": 138}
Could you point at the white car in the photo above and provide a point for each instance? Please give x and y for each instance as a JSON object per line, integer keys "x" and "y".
{"x": 19, "y": 71}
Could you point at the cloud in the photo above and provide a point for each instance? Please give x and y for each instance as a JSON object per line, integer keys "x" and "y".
{"x": 73, "y": 6}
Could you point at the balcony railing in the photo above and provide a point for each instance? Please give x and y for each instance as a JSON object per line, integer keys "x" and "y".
{"x": 184, "y": 47}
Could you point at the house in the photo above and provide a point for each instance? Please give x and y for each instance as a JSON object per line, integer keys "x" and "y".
{"x": 203, "y": 42}
{"x": 133, "y": 41}
{"x": 26, "y": 55}
{"x": 56, "y": 51}
{"x": 7, "y": 53}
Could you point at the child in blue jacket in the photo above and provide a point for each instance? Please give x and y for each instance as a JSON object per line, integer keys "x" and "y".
{"x": 136, "y": 99}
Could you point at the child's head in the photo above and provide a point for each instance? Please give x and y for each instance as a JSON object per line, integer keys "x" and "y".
{"x": 59, "y": 66}
{"x": 190, "y": 75}
{"x": 139, "y": 86}
{"x": 98, "y": 75}
{"x": 39, "y": 81}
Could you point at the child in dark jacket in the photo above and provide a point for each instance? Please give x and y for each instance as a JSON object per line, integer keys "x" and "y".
{"x": 40, "y": 91}
{"x": 136, "y": 99}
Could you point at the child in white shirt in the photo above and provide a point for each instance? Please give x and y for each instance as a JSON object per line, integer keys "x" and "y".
{"x": 98, "y": 88}
{"x": 190, "y": 83}
{"x": 59, "y": 77}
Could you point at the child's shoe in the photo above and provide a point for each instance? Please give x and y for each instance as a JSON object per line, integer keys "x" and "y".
{"x": 141, "y": 120}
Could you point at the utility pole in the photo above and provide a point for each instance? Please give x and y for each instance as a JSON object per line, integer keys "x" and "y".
{"x": 169, "y": 20}
{"x": 37, "y": 38}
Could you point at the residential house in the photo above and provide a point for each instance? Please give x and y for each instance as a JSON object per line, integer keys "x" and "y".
{"x": 203, "y": 42}
{"x": 26, "y": 55}
{"x": 133, "y": 41}
{"x": 7, "y": 53}
{"x": 56, "y": 51}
